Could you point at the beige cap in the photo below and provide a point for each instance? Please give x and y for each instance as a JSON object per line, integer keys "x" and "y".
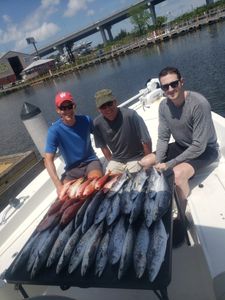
{"x": 103, "y": 96}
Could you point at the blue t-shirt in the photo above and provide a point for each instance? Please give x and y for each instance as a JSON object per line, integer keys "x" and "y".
{"x": 73, "y": 142}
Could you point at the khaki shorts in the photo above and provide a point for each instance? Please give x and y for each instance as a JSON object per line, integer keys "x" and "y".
{"x": 82, "y": 170}
{"x": 118, "y": 167}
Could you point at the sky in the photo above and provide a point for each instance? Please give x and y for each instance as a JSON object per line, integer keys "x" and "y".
{"x": 50, "y": 20}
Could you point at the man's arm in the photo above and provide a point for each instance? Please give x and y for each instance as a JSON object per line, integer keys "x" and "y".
{"x": 147, "y": 148}
{"x": 50, "y": 166}
{"x": 107, "y": 153}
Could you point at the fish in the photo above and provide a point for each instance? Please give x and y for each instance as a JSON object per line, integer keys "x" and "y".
{"x": 108, "y": 185}
{"x": 49, "y": 222}
{"x": 102, "y": 210}
{"x": 80, "y": 213}
{"x": 78, "y": 252}
{"x": 126, "y": 200}
{"x": 90, "y": 211}
{"x": 67, "y": 203}
{"x": 63, "y": 193}
{"x": 138, "y": 183}
{"x": 157, "y": 249}
{"x": 114, "y": 209}
{"x": 127, "y": 251}
{"x": 163, "y": 198}
{"x": 44, "y": 251}
{"x": 140, "y": 250}
{"x": 67, "y": 251}
{"x": 137, "y": 207}
{"x": 91, "y": 249}
{"x": 102, "y": 254}
{"x": 118, "y": 185}
{"x": 59, "y": 244}
{"x": 81, "y": 188}
{"x": 55, "y": 206}
{"x": 116, "y": 241}
{"x": 90, "y": 189}
{"x": 35, "y": 248}
{"x": 102, "y": 181}
{"x": 24, "y": 254}
{"x": 70, "y": 213}
{"x": 71, "y": 192}
{"x": 150, "y": 208}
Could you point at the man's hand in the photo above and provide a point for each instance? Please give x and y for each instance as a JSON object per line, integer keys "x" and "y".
{"x": 161, "y": 167}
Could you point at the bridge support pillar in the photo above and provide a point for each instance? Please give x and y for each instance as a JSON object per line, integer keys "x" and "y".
{"x": 108, "y": 28}
{"x": 69, "y": 51}
{"x": 103, "y": 34}
{"x": 152, "y": 11}
{"x": 60, "y": 49}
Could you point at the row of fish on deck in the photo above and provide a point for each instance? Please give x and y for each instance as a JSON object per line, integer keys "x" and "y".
{"x": 114, "y": 220}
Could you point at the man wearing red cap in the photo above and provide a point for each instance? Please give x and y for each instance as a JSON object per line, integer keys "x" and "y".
{"x": 71, "y": 135}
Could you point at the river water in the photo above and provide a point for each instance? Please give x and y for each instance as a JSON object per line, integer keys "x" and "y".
{"x": 200, "y": 56}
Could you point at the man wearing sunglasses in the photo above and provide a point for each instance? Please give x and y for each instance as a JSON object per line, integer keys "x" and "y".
{"x": 186, "y": 116}
{"x": 71, "y": 135}
{"x": 120, "y": 133}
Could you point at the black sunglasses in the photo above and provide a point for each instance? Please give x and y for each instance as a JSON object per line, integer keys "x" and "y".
{"x": 107, "y": 104}
{"x": 173, "y": 84}
{"x": 66, "y": 107}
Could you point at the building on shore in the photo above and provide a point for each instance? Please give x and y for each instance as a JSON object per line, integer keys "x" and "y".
{"x": 38, "y": 67}
{"x": 11, "y": 65}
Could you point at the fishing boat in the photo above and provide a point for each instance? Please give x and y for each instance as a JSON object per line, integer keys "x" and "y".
{"x": 198, "y": 266}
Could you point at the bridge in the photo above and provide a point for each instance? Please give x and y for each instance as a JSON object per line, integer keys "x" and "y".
{"x": 100, "y": 26}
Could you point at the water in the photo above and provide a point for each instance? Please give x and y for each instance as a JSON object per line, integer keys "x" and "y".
{"x": 200, "y": 56}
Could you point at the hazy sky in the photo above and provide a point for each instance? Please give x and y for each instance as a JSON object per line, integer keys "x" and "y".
{"x": 50, "y": 20}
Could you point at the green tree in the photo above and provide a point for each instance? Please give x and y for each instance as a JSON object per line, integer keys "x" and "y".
{"x": 140, "y": 18}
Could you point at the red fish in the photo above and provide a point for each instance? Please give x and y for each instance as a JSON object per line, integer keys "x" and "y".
{"x": 63, "y": 194}
{"x": 66, "y": 204}
{"x": 55, "y": 207}
{"x": 81, "y": 188}
{"x": 90, "y": 189}
{"x": 101, "y": 181}
{"x": 70, "y": 213}
{"x": 110, "y": 183}
{"x": 74, "y": 186}
{"x": 49, "y": 221}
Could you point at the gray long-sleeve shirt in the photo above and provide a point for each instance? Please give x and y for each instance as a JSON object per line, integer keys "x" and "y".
{"x": 190, "y": 125}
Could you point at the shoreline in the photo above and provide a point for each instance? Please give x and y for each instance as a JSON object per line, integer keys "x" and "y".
{"x": 116, "y": 52}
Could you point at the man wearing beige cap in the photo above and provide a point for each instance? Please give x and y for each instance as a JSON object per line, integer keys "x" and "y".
{"x": 120, "y": 133}
{"x": 71, "y": 135}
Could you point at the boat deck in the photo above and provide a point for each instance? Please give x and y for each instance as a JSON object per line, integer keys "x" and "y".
{"x": 194, "y": 266}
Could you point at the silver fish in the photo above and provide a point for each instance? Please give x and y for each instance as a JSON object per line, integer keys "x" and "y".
{"x": 114, "y": 209}
{"x": 138, "y": 183}
{"x": 126, "y": 256}
{"x": 163, "y": 197}
{"x": 118, "y": 185}
{"x": 22, "y": 257}
{"x": 71, "y": 243}
{"x": 44, "y": 251}
{"x": 116, "y": 241}
{"x": 157, "y": 249}
{"x": 91, "y": 249}
{"x": 91, "y": 210}
{"x": 126, "y": 199}
{"x": 80, "y": 213}
{"x": 150, "y": 207}
{"x": 140, "y": 250}
{"x": 35, "y": 248}
{"x": 59, "y": 244}
{"x": 137, "y": 207}
{"x": 102, "y": 254}
{"x": 102, "y": 210}
{"x": 78, "y": 251}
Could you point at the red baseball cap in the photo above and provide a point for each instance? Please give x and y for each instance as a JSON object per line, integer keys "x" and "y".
{"x": 62, "y": 97}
